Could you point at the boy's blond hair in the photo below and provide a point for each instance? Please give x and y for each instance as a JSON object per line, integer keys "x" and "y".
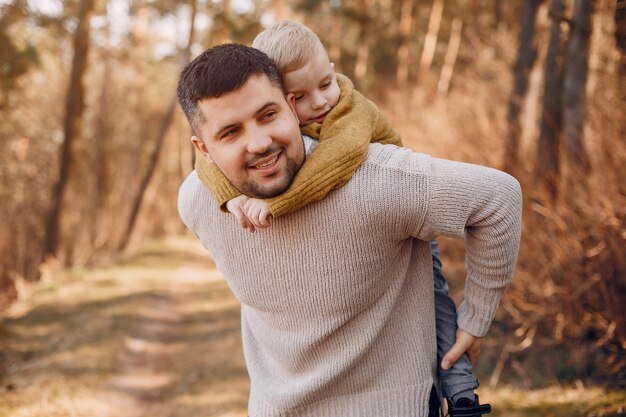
{"x": 289, "y": 44}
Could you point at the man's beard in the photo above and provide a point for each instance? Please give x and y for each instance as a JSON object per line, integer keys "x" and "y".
{"x": 255, "y": 190}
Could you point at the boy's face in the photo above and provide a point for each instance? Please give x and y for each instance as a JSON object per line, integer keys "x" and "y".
{"x": 314, "y": 87}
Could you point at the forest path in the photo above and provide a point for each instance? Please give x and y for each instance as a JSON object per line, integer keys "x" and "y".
{"x": 144, "y": 377}
{"x": 155, "y": 335}
{"x": 158, "y": 335}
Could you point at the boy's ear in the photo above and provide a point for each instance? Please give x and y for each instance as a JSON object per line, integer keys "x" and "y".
{"x": 201, "y": 147}
{"x": 291, "y": 101}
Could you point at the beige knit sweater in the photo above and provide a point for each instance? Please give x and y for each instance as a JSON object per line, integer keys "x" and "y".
{"x": 337, "y": 306}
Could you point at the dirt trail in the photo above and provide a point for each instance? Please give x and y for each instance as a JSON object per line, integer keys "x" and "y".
{"x": 144, "y": 365}
{"x": 157, "y": 336}
{"x": 156, "y": 367}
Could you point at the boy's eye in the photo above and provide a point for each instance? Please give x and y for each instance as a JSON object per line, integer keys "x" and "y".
{"x": 325, "y": 85}
{"x": 299, "y": 97}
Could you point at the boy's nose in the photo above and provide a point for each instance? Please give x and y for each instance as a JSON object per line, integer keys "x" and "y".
{"x": 319, "y": 101}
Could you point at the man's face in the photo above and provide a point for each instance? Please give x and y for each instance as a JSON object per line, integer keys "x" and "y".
{"x": 252, "y": 135}
{"x": 314, "y": 87}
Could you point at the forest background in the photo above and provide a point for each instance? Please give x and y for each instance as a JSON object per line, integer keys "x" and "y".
{"x": 93, "y": 145}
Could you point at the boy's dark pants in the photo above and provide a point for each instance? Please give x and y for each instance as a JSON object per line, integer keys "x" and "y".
{"x": 460, "y": 376}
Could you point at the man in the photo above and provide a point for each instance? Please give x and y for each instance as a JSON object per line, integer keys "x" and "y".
{"x": 337, "y": 306}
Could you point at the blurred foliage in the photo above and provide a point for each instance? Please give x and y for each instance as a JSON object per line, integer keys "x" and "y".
{"x": 17, "y": 55}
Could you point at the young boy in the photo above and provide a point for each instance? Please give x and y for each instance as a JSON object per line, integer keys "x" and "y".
{"x": 345, "y": 122}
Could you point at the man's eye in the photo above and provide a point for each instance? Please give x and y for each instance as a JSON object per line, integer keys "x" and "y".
{"x": 269, "y": 115}
{"x": 230, "y": 133}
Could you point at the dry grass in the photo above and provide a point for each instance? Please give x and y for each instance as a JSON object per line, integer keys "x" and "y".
{"x": 556, "y": 402}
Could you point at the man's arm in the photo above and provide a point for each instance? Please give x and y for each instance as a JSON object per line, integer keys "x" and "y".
{"x": 483, "y": 206}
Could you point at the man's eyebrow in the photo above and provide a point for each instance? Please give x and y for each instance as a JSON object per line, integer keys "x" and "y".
{"x": 265, "y": 106}
{"x": 225, "y": 128}
{"x": 257, "y": 113}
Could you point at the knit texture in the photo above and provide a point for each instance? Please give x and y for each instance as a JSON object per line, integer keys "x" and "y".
{"x": 337, "y": 307}
{"x": 348, "y": 129}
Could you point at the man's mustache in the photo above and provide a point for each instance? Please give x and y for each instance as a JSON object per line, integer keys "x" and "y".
{"x": 272, "y": 150}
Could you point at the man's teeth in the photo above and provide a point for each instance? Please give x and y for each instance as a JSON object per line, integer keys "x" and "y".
{"x": 269, "y": 163}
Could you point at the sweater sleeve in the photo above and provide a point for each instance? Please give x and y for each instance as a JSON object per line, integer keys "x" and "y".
{"x": 218, "y": 185}
{"x": 483, "y": 206}
{"x": 344, "y": 138}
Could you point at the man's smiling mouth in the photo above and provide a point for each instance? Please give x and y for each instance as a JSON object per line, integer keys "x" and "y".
{"x": 267, "y": 163}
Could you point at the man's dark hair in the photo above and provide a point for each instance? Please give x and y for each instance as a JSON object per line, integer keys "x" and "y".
{"x": 218, "y": 71}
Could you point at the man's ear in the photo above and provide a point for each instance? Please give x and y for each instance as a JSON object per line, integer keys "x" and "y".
{"x": 201, "y": 147}
{"x": 291, "y": 101}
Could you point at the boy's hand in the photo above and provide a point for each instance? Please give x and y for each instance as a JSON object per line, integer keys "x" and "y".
{"x": 258, "y": 212}
{"x": 465, "y": 342}
{"x": 237, "y": 207}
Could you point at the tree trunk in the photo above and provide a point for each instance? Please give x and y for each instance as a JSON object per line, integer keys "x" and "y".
{"x": 451, "y": 54}
{"x": 363, "y": 50}
{"x": 620, "y": 40}
{"x": 72, "y": 125}
{"x": 474, "y": 7}
{"x": 497, "y": 14}
{"x": 99, "y": 230}
{"x": 548, "y": 165}
{"x": 147, "y": 176}
{"x": 574, "y": 80}
{"x": 336, "y": 34}
{"x": 526, "y": 56}
{"x": 430, "y": 42}
{"x": 404, "y": 55}
{"x": 158, "y": 142}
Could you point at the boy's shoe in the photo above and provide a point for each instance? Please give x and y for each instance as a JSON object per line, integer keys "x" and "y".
{"x": 465, "y": 407}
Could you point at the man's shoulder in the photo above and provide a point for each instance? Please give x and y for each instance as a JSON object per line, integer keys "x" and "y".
{"x": 192, "y": 198}
{"x": 190, "y": 187}
{"x": 388, "y": 172}
{"x": 396, "y": 157}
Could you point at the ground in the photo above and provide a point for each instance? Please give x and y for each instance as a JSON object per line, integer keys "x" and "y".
{"x": 158, "y": 335}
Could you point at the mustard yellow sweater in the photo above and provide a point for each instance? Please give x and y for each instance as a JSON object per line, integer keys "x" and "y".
{"x": 344, "y": 138}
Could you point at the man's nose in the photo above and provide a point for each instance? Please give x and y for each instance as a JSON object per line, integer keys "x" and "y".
{"x": 258, "y": 141}
{"x": 319, "y": 101}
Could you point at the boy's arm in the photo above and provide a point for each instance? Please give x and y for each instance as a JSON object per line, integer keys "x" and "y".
{"x": 212, "y": 178}
{"x": 344, "y": 138}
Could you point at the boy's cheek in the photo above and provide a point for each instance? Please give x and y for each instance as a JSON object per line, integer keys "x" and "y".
{"x": 302, "y": 116}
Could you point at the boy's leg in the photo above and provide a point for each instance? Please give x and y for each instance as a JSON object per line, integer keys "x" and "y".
{"x": 458, "y": 381}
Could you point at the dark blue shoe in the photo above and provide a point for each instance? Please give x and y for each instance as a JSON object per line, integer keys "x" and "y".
{"x": 465, "y": 407}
